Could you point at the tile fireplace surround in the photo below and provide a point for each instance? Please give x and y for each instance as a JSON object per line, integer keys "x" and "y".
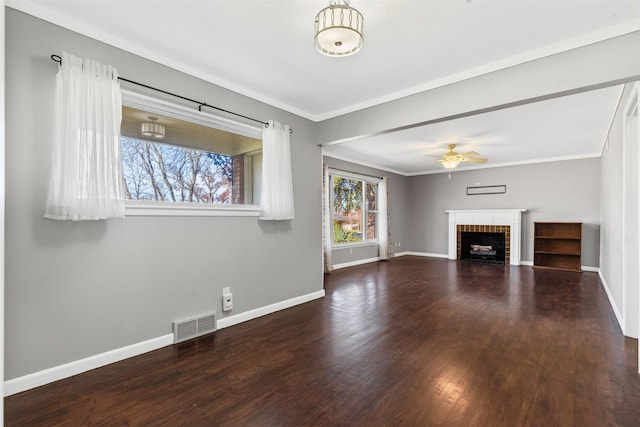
{"x": 511, "y": 218}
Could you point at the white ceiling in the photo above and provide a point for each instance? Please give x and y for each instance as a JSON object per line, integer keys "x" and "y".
{"x": 264, "y": 49}
{"x": 570, "y": 127}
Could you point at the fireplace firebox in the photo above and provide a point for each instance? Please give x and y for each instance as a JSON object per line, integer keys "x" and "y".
{"x": 503, "y": 230}
{"x": 482, "y": 247}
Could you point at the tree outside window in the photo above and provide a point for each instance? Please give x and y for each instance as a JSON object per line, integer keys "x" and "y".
{"x": 155, "y": 171}
{"x": 354, "y": 210}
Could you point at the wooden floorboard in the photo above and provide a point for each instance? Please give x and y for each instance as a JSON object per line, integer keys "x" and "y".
{"x": 409, "y": 342}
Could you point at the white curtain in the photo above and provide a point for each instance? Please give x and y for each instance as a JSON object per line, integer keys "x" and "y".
{"x": 327, "y": 219}
{"x": 383, "y": 224}
{"x": 276, "y": 202}
{"x": 86, "y": 177}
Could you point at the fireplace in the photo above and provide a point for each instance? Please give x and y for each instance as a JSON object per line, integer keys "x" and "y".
{"x": 487, "y": 247}
{"x": 506, "y": 221}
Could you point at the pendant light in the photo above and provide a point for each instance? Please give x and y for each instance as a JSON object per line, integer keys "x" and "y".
{"x": 339, "y": 29}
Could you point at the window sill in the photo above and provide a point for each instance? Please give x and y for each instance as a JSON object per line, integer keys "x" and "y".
{"x": 143, "y": 208}
{"x": 355, "y": 245}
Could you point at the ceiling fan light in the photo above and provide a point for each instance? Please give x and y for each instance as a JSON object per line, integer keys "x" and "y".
{"x": 450, "y": 163}
{"x": 339, "y": 30}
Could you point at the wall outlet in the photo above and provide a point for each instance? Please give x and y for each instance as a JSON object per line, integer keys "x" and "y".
{"x": 226, "y": 291}
{"x": 227, "y": 301}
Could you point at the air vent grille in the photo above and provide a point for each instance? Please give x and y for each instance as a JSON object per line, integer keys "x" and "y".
{"x": 191, "y": 328}
{"x": 206, "y": 324}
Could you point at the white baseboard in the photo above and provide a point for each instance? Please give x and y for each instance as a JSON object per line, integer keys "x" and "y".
{"x": 67, "y": 370}
{"x": 225, "y": 322}
{"x": 397, "y": 254}
{"x": 525, "y": 263}
{"x": 353, "y": 263}
{"x": 56, "y": 373}
{"x": 425, "y": 254}
{"x": 583, "y": 267}
{"x": 612, "y": 303}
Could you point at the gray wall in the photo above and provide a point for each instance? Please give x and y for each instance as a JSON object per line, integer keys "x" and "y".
{"x": 556, "y": 191}
{"x": 397, "y": 210}
{"x": 76, "y": 289}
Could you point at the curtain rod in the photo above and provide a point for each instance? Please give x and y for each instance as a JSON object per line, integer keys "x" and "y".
{"x": 58, "y": 59}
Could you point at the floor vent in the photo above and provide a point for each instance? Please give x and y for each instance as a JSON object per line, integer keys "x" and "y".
{"x": 191, "y": 328}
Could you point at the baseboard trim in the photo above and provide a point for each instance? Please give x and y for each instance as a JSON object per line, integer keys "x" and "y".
{"x": 583, "y": 267}
{"x": 525, "y": 263}
{"x": 46, "y": 376}
{"x": 612, "y": 303}
{"x": 67, "y": 370}
{"x": 424, "y": 254}
{"x": 397, "y": 254}
{"x": 268, "y": 309}
{"x": 354, "y": 263}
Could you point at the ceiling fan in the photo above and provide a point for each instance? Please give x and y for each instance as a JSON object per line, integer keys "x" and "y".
{"x": 451, "y": 159}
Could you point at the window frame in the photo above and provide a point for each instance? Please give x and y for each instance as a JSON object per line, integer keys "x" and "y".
{"x": 159, "y": 208}
{"x": 365, "y": 179}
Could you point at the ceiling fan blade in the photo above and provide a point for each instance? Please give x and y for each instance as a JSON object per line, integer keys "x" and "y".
{"x": 452, "y": 156}
{"x": 475, "y": 160}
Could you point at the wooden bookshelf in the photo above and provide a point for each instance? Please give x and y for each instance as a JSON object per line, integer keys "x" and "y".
{"x": 557, "y": 245}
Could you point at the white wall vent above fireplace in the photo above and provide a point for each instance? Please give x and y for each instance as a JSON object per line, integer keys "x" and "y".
{"x": 191, "y": 328}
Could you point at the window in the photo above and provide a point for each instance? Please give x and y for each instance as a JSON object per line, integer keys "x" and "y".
{"x": 155, "y": 171}
{"x": 198, "y": 161}
{"x": 354, "y": 208}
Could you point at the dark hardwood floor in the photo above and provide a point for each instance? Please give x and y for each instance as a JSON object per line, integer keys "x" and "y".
{"x": 409, "y": 342}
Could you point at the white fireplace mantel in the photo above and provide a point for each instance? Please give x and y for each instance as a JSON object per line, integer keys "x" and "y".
{"x": 510, "y": 217}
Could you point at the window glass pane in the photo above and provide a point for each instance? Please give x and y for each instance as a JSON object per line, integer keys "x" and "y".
{"x": 188, "y": 162}
{"x": 371, "y": 226}
{"x": 154, "y": 171}
{"x": 347, "y": 210}
{"x": 371, "y": 197}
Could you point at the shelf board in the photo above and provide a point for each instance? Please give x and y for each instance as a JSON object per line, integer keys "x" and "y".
{"x": 558, "y": 253}
{"x": 557, "y": 238}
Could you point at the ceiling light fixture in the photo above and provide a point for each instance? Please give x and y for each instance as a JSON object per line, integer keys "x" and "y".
{"x": 339, "y": 29}
{"x": 152, "y": 129}
{"x": 450, "y": 164}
